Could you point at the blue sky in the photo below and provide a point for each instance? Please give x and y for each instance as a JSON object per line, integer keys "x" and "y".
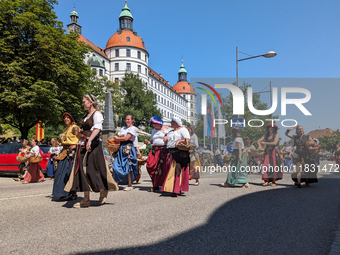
{"x": 305, "y": 35}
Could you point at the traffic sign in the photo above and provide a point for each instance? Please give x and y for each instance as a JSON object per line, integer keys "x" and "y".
{"x": 238, "y": 122}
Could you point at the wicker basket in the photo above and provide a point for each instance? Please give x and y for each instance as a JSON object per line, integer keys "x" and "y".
{"x": 111, "y": 146}
{"x": 35, "y": 159}
{"x": 256, "y": 152}
{"x": 20, "y": 158}
{"x": 184, "y": 147}
{"x": 314, "y": 150}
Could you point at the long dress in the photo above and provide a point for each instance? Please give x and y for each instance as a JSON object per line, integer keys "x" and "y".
{"x": 195, "y": 163}
{"x": 125, "y": 160}
{"x": 64, "y": 166}
{"x": 50, "y": 165}
{"x": 33, "y": 173}
{"x": 305, "y": 161}
{"x": 271, "y": 170}
{"x": 90, "y": 171}
{"x": 177, "y": 179}
{"x": 157, "y": 158}
{"x": 238, "y": 172}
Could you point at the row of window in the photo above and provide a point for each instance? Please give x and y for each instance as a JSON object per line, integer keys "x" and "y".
{"x": 191, "y": 97}
{"x": 166, "y": 91}
{"x": 170, "y": 104}
{"x": 128, "y": 68}
{"x": 168, "y": 114}
{"x": 128, "y": 54}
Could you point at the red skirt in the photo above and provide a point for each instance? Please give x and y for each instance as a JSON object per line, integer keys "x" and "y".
{"x": 33, "y": 173}
{"x": 155, "y": 165}
{"x": 177, "y": 179}
{"x": 271, "y": 170}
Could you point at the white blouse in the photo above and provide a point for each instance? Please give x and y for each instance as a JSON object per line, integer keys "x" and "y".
{"x": 56, "y": 150}
{"x": 131, "y": 130}
{"x": 97, "y": 120}
{"x": 36, "y": 150}
{"x": 238, "y": 140}
{"x": 174, "y": 136}
{"x": 157, "y": 136}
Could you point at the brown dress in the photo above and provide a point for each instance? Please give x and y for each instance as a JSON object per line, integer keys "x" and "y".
{"x": 90, "y": 171}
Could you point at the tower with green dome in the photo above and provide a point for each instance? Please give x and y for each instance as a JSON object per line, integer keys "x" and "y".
{"x": 182, "y": 73}
{"x": 74, "y": 27}
{"x": 126, "y": 18}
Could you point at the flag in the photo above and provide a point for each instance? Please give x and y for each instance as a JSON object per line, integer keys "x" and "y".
{"x": 39, "y": 131}
{"x": 221, "y": 129}
{"x": 211, "y": 123}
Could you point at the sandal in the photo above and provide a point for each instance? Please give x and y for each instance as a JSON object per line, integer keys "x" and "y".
{"x": 24, "y": 182}
{"x": 102, "y": 199}
{"x": 224, "y": 184}
{"x": 265, "y": 184}
{"x": 196, "y": 183}
{"x": 17, "y": 179}
{"x": 82, "y": 204}
{"x": 246, "y": 185}
{"x": 273, "y": 184}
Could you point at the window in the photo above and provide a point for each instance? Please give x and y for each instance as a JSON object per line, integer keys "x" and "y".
{"x": 128, "y": 53}
{"x": 100, "y": 72}
{"x": 158, "y": 99}
{"x": 191, "y": 106}
{"x": 128, "y": 66}
{"x": 191, "y": 97}
{"x": 128, "y": 39}
{"x": 117, "y": 81}
{"x": 162, "y": 100}
{"x": 183, "y": 87}
{"x": 117, "y": 53}
{"x": 139, "y": 69}
{"x": 192, "y": 114}
{"x": 138, "y": 54}
{"x": 146, "y": 58}
{"x": 146, "y": 71}
{"x": 116, "y": 66}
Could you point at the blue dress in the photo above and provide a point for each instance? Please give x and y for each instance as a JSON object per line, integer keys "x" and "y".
{"x": 50, "y": 166}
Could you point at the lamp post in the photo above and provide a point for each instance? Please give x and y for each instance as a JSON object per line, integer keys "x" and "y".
{"x": 269, "y": 54}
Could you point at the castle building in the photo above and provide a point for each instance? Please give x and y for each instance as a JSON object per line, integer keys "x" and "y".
{"x": 126, "y": 51}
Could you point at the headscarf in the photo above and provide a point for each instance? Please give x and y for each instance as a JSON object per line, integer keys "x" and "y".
{"x": 177, "y": 120}
{"x": 156, "y": 120}
{"x": 69, "y": 114}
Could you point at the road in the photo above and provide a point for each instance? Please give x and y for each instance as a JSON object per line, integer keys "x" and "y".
{"x": 209, "y": 219}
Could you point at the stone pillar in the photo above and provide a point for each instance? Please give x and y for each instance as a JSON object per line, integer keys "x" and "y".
{"x": 108, "y": 124}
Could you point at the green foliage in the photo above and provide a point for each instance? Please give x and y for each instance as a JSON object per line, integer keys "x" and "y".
{"x": 137, "y": 100}
{"x": 185, "y": 123}
{"x": 42, "y": 72}
{"x": 329, "y": 142}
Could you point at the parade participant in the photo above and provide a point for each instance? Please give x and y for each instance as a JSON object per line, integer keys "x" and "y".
{"x": 305, "y": 168}
{"x": 155, "y": 164}
{"x": 65, "y": 158}
{"x": 271, "y": 171}
{"x": 54, "y": 151}
{"x": 217, "y": 157}
{"x": 125, "y": 165}
{"x": 33, "y": 173}
{"x": 337, "y": 155}
{"x": 195, "y": 163}
{"x": 90, "y": 171}
{"x": 288, "y": 155}
{"x": 238, "y": 173}
{"x": 177, "y": 179}
{"x": 251, "y": 160}
{"x": 23, "y": 165}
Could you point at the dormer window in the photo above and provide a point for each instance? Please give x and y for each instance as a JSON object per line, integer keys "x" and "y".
{"x": 128, "y": 39}
{"x": 183, "y": 87}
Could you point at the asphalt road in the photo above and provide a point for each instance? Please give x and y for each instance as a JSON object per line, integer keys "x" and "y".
{"x": 209, "y": 219}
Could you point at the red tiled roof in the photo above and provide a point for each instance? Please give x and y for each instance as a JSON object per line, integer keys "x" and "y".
{"x": 120, "y": 39}
{"x": 158, "y": 77}
{"x": 321, "y": 132}
{"x": 184, "y": 87}
{"x": 97, "y": 49}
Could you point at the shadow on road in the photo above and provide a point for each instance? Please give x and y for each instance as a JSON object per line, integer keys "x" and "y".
{"x": 273, "y": 221}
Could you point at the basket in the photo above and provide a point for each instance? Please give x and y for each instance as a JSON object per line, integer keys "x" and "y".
{"x": 111, "y": 146}
{"x": 192, "y": 147}
{"x": 35, "y": 159}
{"x": 314, "y": 150}
{"x": 322, "y": 154}
{"x": 20, "y": 158}
{"x": 141, "y": 161}
{"x": 256, "y": 152}
{"x": 184, "y": 147}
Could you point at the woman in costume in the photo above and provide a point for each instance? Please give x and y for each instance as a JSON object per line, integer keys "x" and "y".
{"x": 177, "y": 179}
{"x": 337, "y": 155}
{"x": 90, "y": 171}
{"x": 125, "y": 165}
{"x": 23, "y": 165}
{"x": 33, "y": 173}
{"x": 271, "y": 166}
{"x": 157, "y": 156}
{"x": 195, "y": 163}
{"x": 65, "y": 159}
{"x": 306, "y": 170}
{"x": 238, "y": 168}
{"x": 54, "y": 151}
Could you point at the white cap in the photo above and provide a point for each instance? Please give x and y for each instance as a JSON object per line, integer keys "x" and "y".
{"x": 177, "y": 120}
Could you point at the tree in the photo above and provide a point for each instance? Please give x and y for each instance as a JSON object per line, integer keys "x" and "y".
{"x": 42, "y": 69}
{"x": 137, "y": 100}
{"x": 329, "y": 142}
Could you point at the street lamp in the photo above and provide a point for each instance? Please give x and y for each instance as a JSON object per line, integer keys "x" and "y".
{"x": 269, "y": 54}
